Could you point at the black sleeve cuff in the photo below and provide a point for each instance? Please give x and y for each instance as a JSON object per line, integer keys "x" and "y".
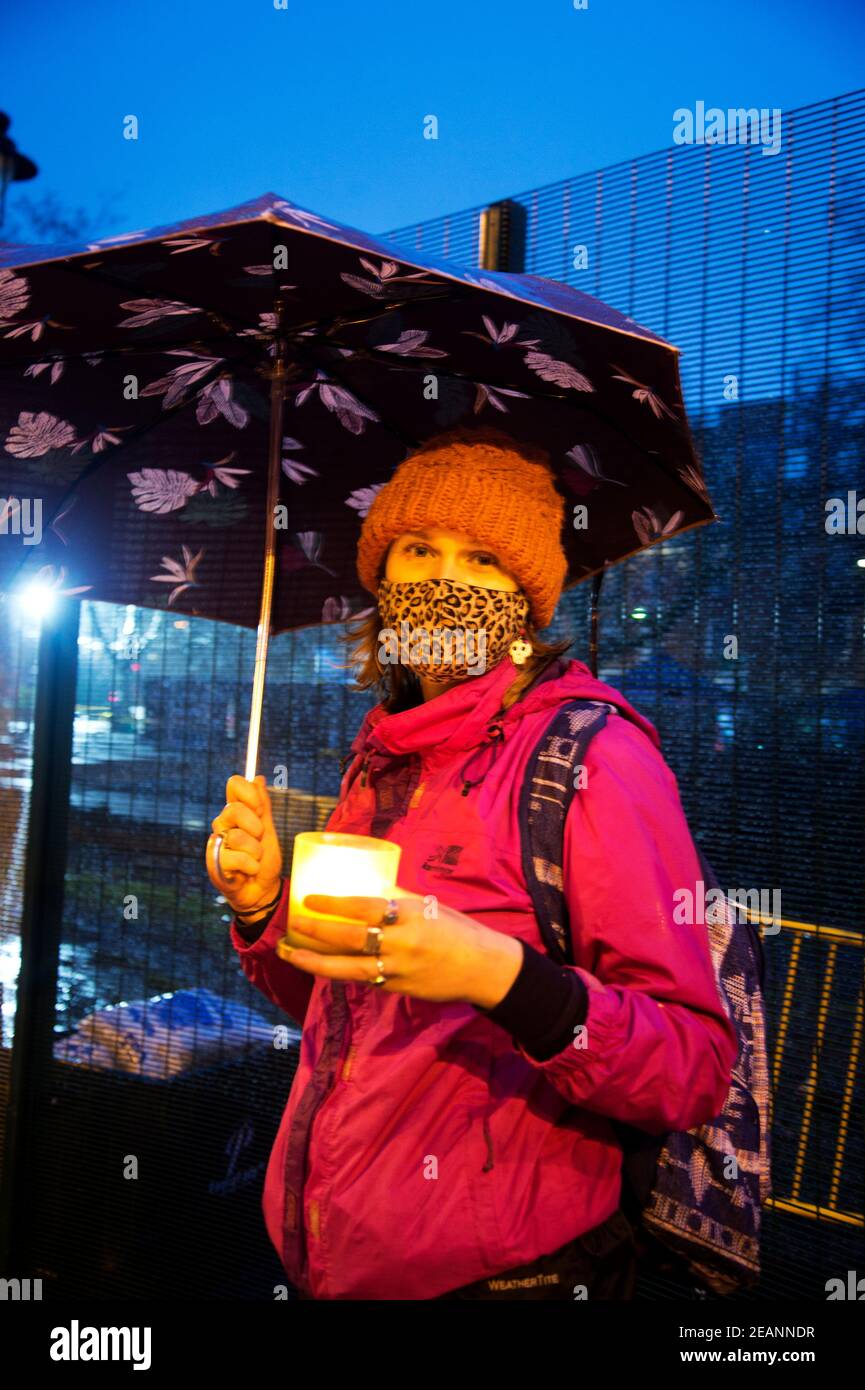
{"x": 543, "y": 1006}
{"x": 251, "y": 931}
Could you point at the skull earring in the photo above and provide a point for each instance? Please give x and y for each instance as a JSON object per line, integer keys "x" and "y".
{"x": 520, "y": 650}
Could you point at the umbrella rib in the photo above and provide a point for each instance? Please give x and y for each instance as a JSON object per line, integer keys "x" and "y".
{"x": 230, "y": 321}
{"x": 331, "y": 327}
{"x": 232, "y": 329}
{"x": 305, "y": 353}
{"x": 332, "y": 369}
{"x": 129, "y": 349}
{"x": 471, "y": 381}
{"x": 252, "y": 357}
{"x": 658, "y": 460}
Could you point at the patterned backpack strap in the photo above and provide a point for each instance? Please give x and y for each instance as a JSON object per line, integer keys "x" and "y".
{"x": 547, "y": 791}
{"x": 712, "y": 1180}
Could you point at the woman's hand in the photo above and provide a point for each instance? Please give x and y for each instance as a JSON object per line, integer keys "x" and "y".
{"x": 250, "y": 850}
{"x": 447, "y": 958}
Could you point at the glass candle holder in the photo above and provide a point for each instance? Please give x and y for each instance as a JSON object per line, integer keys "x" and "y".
{"x": 342, "y": 865}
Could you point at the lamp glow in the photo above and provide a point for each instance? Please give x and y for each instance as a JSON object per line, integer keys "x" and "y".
{"x": 342, "y": 865}
{"x": 36, "y": 599}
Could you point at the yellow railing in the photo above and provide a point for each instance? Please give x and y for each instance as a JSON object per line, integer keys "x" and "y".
{"x": 836, "y": 938}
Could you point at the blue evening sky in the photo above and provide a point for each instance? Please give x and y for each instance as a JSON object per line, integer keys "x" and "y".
{"x": 324, "y": 102}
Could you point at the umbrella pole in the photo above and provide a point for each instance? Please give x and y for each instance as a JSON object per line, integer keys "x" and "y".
{"x": 277, "y": 399}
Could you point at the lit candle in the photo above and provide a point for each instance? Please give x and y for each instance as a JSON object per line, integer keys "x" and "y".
{"x": 340, "y": 865}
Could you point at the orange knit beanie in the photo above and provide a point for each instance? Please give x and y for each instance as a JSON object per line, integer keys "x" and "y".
{"x": 480, "y": 483}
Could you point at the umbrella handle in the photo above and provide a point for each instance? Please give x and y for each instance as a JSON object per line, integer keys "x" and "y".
{"x": 217, "y": 873}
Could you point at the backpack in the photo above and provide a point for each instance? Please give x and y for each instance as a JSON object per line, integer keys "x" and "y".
{"x": 675, "y": 1187}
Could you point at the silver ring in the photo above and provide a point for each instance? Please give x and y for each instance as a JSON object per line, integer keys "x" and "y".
{"x": 372, "y": 945}
{"x": 380, "y": 977}
{"x": 374, "y": 935}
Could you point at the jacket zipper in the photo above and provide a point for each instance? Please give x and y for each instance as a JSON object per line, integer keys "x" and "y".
{"x": 343, "y": 1070}
{"x": 486, "y": 1122}
{"x": 340, "y": 1072}
{"x": 346, "y": 1066}
{"x": 489, "y": 1139}
{"x": 295, "y": 1211}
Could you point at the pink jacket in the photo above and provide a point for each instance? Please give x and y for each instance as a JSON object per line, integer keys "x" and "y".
{"x": 421, "y": 1148}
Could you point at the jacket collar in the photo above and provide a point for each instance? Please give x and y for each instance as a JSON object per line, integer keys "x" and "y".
{"x": 460, "y": 718}
{"x": 456, "y": 720}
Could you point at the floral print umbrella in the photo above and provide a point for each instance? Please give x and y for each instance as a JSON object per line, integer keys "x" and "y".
{"x": 136, "y": 411}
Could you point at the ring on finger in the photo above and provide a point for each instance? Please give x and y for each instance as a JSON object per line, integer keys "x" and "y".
{"x": 389, "y": 917}
{"x": 372, "y": 945}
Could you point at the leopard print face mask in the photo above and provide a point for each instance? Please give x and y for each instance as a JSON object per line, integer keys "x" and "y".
{"x": 444, "y": 630}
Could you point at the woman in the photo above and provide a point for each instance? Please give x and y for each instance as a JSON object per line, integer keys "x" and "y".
{"x": 447, "y": 1133}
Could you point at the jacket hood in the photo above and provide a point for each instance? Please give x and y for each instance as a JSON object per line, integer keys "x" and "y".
{"x": 460, "y": 718}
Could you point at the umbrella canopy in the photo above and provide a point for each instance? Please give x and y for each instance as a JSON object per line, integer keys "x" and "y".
{"x": 136, "y": 408}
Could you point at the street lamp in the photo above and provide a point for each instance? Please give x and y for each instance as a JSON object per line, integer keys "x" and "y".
{"x": 13, "y": 166}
